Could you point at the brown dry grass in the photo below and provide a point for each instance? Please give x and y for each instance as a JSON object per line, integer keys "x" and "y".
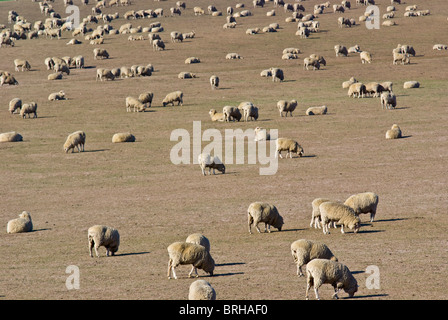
{"x": 135, "y": 188}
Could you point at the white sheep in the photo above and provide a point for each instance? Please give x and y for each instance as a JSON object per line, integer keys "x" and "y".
{"x": 191, "y": 60}
{"x": 440, "y": 47}
{"x": 357, "y": 89}
{"x": 10, "y": 137}
{"x": 198, "y": 238}
{"x": 186, "y": 75}
{"x": 233, "y": 55}
{"x": 57, "y": 96}
{"x": 176, "y": 96}
{"x": 308, "y": 61}
{"x": 123, "y": 137}
{"x": 366, "y": 202}
{"x": 340, "y": 50}
{"x": 181, "y": 253}
{"x": 266, "y": 73}
{"x": 320, "y": 271}
{"x": 176, "y": 36}
{"x": 76, "y": 139}
{"x": 249, "y": 110}
{"x": 366, "y": 57}
{"x": 205, "y": 160}
{"x": 201, "y": 290}
{"x": 286, "y": 106}
{"x": 291, "y": 50}
{"x": 216, "y": 116}
{"x": 339, "y": 213}
{"x": 15, "y": 104}
{"x": 316, "y": 111}
{"x": 277, "y": 74}
{"x": 264, "y": 212}
{"x": 411, "y": 84}
{"x": 98, "y": 52}
{"x": 21, "y": 224}
{"x": 288, "y": 145}
{"x": 231, "y": 113}
{"x": 388, "y": 100}
{"x": 394, "y": 132}
{"x": 108, "y": 237}
{"x": 214, "y": 81}
{"x": 348, "y": 83}
{"x": 27, "y": 109}
{"x": 146, "y": 98}
{"x": 103, "y": 73}
{"x": 22, "y": 64}
{"x": 135, "y": 104}
{"x": 303, "y": 251}
{"x": 403, "y": 58}
{"x": 315, "y": 214}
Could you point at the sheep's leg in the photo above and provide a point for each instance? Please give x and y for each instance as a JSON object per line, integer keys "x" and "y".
{"x": 336, "y": 291}
{"x": 249, "y": 222}
{"x": 316, "y": 292}
{"x": 91, "y": 244}
{"x": 342, "y": 228}
{"x": 256, "y": 226}
{"x": 96, "y": 251}
{"x": 372, "y": 216}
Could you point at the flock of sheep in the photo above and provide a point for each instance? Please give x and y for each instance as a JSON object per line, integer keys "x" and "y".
{"x": 321, "y": 265}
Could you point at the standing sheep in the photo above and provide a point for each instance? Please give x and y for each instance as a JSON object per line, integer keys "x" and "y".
{"x": 303, "y": 251}
{"x": 108, "y": 237}
{"x": 366, "y": 57}
{"x": 214, "y": 82}
{"x": 394, "y": 132}
{"x": 76, "y": 139}
{"x": 288, "y": 145}
{"x": 22, "y": 64}
{"x": 366, "y": 202}
{"x": 21, "y": 224}
{"x": 181, "y": 253}
{"x": 286, "y": 106}
{"x": 135, "y": 104}
{"x": 15, "y": 104}
{"x": 388, "y": 100}
{"x": 320, "y": 271}
{"x": 98, "y": 52}
{"x": 176, "y": 96}
{"x": 201, "y": 290}
{"x": 205, "y": 160}
{"x": 200, "y": 239}
{"x": 340, "y": 214}
{"x": 27, "y": 109}
{"x": 315, "y": 214}
{"x": 357, "y": 89}
{"x": 231, "y": 113}
{"x": 264, "y": 212}
{"x": 340, "y": 50}
{"x": 277, "y": 74}
{"x": 249, "y": 110}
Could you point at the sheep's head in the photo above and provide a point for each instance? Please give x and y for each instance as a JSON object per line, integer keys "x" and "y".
{"x": 221, "y": 168}
{"x": 298, "y": 149}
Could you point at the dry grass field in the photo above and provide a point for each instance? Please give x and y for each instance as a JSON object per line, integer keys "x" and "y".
{"x": 135, "y": 187}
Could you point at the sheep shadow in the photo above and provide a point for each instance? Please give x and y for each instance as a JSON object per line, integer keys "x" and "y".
{"x": 367, "y": 296}
{"x": 226, "y": 274}
{"x": 229, "y": 264}
{"x": 369, "y": 231}
{"x": 43, "y": 229}
{"x": 288, "y": 230}
{"x": 309, "y": 156}
{"x": 97, "y": 150}
{"x": 405, "y": 137}
{"x": 132, "y": 253}
{"x": 391, "y": 220}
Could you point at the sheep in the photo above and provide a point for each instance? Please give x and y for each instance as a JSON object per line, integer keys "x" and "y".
{"x": 266, "y": 73}
{"x": 388, "y": 100}
{"x": 387, "y": 85}
{"x": 403, "y": 58}
{"x": 135, "y": 104}
{"x": 8, "y": 79}
{"x": 61, "y": 67}
{"x": 344, "y": 22}
{"x": 100, "y": 235}
{"x": 216, "y": 116}
{"x": 76, "y": 139}
{"x": 73, "y": 41}
{"x": 311, "y": 111}
{"x": 10, "y": 137}
{"x": 191, "y": 60}
{"x": 366, "y": 202}
{"x": 338, "y": 49}
{"x": 354, "y": 49}
{"x": 55, "y": 76}
{"x": 104, "y": 73}
{"x": 366, "y": 57}
{"x": 303, "y": 251}
{"x": 288, "y": 145}
{"x": 290, "y": 56}
{"x": 311, "y": 62}
{"x": 320, "y": 271}
{"x": 176, "y": 36}
{"x": 205, "y": 160}
{"x": 291, "y": 50}
{"x": 21, "y": 64}
{"x": 176, "y": 96}
{"x": 21, "y": 224}
{"x": 27, "y": 109}
{"x": 315, "y": 214}
{"x": 374, "y": 88}
{"x": 198, "y": 11}
{"x": 249, "y": 110}
{"x": 411, "y": 84}
{"x": 146, "y": 98}
{"x": 440, "y": 47}
{"x": 98, "y": 52}
{"x": 229, "y": 25}
{"x": 15, "y": 104}
{"x": 357, "y": 89}
{"x": 189, "y": 253}
{"x": 264, "y": 212}
{"x": 233, "y": 55}
{"x": 394, "y": 132}
{"x": 123, "y": 137}
{"x": 286, "y": 106}
{"x": 57, "y": 96}
{"x": 347, "y": 84}
{"x": 261, "y": 134}
{"x": 231, "y": 113}
{"x": 388, "y": 23}
{"x": 201, "y": 290}
{"x": 277, "y": 74}
{"x": 49, "y": 63}
{"x": 200, "y": 239}
{"x": 339, "y": 213}
{"x": 251, "y": 31}
{"x": 186, "y": 75}
{"x": 79, "y": 62}
{"x": 214, "y": 82}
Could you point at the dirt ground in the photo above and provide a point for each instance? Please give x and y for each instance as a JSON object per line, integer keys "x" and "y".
{"x": 135, "y": 187}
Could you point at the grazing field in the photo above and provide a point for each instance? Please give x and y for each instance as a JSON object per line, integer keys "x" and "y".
{"x": 136, "y": 188}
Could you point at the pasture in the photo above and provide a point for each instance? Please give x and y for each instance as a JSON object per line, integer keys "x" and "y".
{"x": 135, "y": 187}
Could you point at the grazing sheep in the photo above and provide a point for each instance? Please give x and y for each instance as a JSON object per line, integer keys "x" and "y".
{"x": 189, "y": 253}
{"x": 214, "y": 82}
{"x": 320, "y": 271}
{"x": 340, "y": 50}
{"x": 22, "y": 64}
{"x": 61, "y": 67}
{"x": 288, "y": 145}
{"x": 10, "y": 137}
{"x": 231, "y": 113}
{"x": 108, "y": 237}
{"x": 249, "y": 110}
{"x": 15, "y": 104}
{"x": 79, "y": 62}
{"x": 123, "y": 137}
{"x": 366, "y": 57}
{"x": 266, "y": 73}
{"x": 354, "y": 49}
{"x": 27, "y": 109}
{"x": 374, "y": 88}
{"x": 205, "y": 160}
{"x": 277, "y": 74}
{"x": 411, "y": 84}
{"x": 347, "y": 84}
{"x": 403, "y": 58}
{"x": 388, "y": 100}
{"x": 191, "y": 60}
{"x": 200, "y": 239}
{"x": 394, "y": 132}
{"x": 366, "y": 202}
{"x": 316, "y": 111}
{"x": 8, "y": 79}
{"x": 176, "y": 96}
{"x": 76, "y": 139}
{"x": 146, "y": 98}
{"x": 264, "y": 212}
{"x": 339, "y": 213}
{"x": 57, "y": 96}
{"x": 311, "y": 62}
{"x": 357, "y": 89}
{"x": 216, "y": 116}
{"x": 303, "y": 251}
{"x": 186, "y": 75}
{"x": 198, "y": 11}
{"x": 233, "y": 55}
{"x": 201, "y": 290}
{"x": 315, "y": 214}
{"x": 98, "y": 52}
{"x": 261, "y": 134}
{"x": 102, "y": 73}
{"x": 21, "y": 224}
{"x": 387, "y": 85}
{"x": 286, "y": 106}
{"x": 176, "y": 36}
{"x": 135, "y": 104}
{"x": 55, "y": 76}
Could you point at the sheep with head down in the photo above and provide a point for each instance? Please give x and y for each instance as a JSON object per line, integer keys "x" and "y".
{"x": 76, "y": 139}
{"x": 175, "y": 96}
{"x": 103, "y": 236}
{"x": 339, "y": 213}
{"x": 286, "y": 106}
{"x": 27, "y": 109}
{"x": 264, "y": 212}
{"x": 205, "y": 160}
{"x": 201, "y": 290}
{"x": 290, "y": 146}
{"x": 15, "y": 104}
{"x": 303, "y": 251}
{"x": 181, "y": 253}
{"x": 365, "y": 202}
